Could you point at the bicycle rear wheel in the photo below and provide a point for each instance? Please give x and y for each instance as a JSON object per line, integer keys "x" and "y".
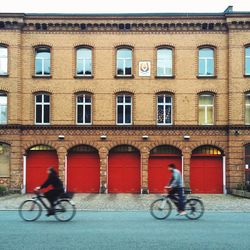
{"x": 30, "y": 210}
{"x": 194, "y": 208}
{"x": 64, "y": 210}
{"x": 160, "y": 209}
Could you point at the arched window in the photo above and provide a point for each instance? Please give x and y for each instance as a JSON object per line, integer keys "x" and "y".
{"x": 206, "y": 109}
{"x": 42, "y": 61}
{"x": 206, "y": 62}
{"x": 3, "y": 108}
{"x": 124, "y": 109}
{"x": 4, "y": 160}
{"x": 42, "y": 109}
{"x": 164, "y": 62}
{"x": 3, "y": 60}
{"x": 164, "y": 109}
{"x": 83, "y": 109}
{"x": 247, "y": 61}
{"x": 247, "y": 108}
{"x": 247, "y": 156}
{"x": 124, "y": 62}
{"x": 84, "y": 62}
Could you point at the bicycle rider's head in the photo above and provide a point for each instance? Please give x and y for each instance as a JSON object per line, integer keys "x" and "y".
{"x": 171, "y": 167}
{"x": 51, "y": 170}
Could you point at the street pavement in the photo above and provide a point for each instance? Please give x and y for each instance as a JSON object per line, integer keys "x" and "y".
{"x": 126, "y": 230}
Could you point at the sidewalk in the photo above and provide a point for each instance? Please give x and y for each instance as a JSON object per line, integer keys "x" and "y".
{"x": 133, "y": 202}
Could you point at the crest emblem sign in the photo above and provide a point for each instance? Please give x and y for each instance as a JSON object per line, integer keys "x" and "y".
{"x": 144, "y": 68}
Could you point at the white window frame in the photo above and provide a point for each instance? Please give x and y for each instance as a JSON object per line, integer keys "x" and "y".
{"x": 246, "y": 105}
{"x": 164, "y": 104}
{"x": 43, "y": 61}
{"x": 124, "y": 62}
{"x": 42, "y": 104}
{"x": 206, "y": 108}
{"x": 206, "y": 62}
{"x": 4, "y": 58}
{"x": 84, "y": 60}
{"x": 4, "y": 106}
{"x": 247, "y": 57}
{"x": 84, "y": 103}
{"x": 164, "y": 60}
{"x": 124, "y": 104}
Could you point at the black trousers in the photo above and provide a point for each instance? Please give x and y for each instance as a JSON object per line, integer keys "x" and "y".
{"x": 180, "y": 201}
{"x": 52, "y": 195}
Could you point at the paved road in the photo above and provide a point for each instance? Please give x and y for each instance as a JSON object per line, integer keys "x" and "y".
{"x": 126, "y": 230}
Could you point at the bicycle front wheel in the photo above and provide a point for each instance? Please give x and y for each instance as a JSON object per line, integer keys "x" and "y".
{"x": 194, "y": 208}
{"x": 160, "y": 209}
{"x": 64, "y": 210}
{"x": 30, "y": 210}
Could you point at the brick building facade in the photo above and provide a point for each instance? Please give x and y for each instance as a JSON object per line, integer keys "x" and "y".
{"x": 111, "y": 99}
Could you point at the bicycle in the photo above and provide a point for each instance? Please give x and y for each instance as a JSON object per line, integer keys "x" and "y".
{"x": 31, "y": 209}
{"x": 161, "y": 208}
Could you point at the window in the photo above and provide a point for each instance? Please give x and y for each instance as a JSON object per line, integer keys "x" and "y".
{"x": 247, "y": 109}
{"x": 3, "y": 60}
{"x": 124, "y": 62}
{"x": 83, "y": 109}
{"x": 206, "y": 62}
{"x": 124, "y": 110}
{"x": 206, "y": 109}
{"x": 164, "y": 109}
{"x": 247, "y": 61}
{"x": 164, "y": 62}
{"x": 42, "y": 107}
{"x": 3, "y": 108}
{"x": 4, "y": 160}
{"x": 42, "y": 62}
{"x": 84, "y": 62}
{"x": 247, "y": 156}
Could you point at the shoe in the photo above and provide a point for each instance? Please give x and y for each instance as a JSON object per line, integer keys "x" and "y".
{"x": 50, "y": 212}
{"x": 182, "y": 213}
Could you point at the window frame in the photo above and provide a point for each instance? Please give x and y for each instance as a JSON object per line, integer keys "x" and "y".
{"x": 246, "y": 74}
{"x": 164, "y": 105}
{"x": 246, "y": 105}
{"x": 116, "y": 61}
{"x": 5, "y": 46}
{"x": 123, "y": 104}
{"x": 84, "y": 104}
{"x": 5, "y": 94}
{"x": 213, "y": 48}
{"x": 42, "y": 104}
{"x": 50, "y": 61}
{"x": 213, "y": 105}
{"x": 76, "y": 62}
{"x": 156, "y": 70}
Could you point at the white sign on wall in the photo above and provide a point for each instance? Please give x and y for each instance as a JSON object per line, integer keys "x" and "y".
{"x": 144, "y": 68}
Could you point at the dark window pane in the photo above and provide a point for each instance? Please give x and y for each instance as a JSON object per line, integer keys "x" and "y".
{"x": 79, "y": 113}
{"x": 46, "y": 113}
{"x": 120, "y": 99}
{"x": 160, "y": 98}
{"x": 168, "y": 114}
{"x": 88, "y": 114}
{"x": 80, "y": 98}
{"x": 160, "y": 117}
{"x": 39, "y": 98}
{"x": 128, "y": 70}
{"x": 87, "y": 98}
{"x": 168, "y": 99}
{"x": 127, "y": 114}
{"x": 120, "y": 114}
{"x": 38, "y": 113}
{"x": 127, "y": 99}
{"x": 46, "y": 98}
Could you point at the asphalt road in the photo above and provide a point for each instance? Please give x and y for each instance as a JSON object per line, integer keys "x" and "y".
{"x": 126, "y": 230}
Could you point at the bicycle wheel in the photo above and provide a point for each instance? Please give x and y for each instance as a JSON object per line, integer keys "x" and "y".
{"x": 64, "y": 210}
{"x": 30, "y": 210}
{"x": 194, "y": 208}
{"x": 160, "y": 209}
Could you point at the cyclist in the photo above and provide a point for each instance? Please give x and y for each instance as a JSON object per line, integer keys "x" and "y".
{"x": 175, "y": 186}
{"x": 58, "y": 189}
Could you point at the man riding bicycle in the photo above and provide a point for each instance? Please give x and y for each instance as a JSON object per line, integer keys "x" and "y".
{"x": 176, "y": 187}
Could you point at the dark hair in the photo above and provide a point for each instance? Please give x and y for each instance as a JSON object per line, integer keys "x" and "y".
{"x": 53, "y": 171}
{"x": 172, "y": 165}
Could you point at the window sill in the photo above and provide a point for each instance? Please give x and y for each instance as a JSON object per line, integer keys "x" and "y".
{"x": 41, "y": 77}
{"x": 4, "y": 176}
{"x": 124, "y": 77}
{"x": 4, "y": 75}
{"x": 206, "y": 77}
{"x": 83, "y": 77}
{"x": 247, "y": 76}
{"x": 165, "y": 77}
{"x": 42, "y": 124}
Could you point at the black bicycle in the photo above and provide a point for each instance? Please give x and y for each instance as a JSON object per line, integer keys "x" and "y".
{"x": 161, "y": 208}
{"x": 31, "y": 209}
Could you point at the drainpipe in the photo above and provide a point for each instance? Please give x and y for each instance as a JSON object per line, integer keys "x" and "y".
{"x": 182, "y": 169}
{"x": 65, "y": 172}
{"x": 24, "y": 174}
{"x": 224, "y": 175}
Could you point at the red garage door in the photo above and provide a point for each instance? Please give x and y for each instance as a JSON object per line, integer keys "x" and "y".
{"x": 206, "y": 171}
{"x": 158, "y": 174}
{"x": 124, "y": 170}
{"x": 83, "y": 170}
{"x": 39, "y": 159}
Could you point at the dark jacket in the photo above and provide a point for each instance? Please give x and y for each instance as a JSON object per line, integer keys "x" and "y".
{"x": 54, "y": 181}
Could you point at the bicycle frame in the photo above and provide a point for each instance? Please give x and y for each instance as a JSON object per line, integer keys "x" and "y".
{"x": 39, "y": 198}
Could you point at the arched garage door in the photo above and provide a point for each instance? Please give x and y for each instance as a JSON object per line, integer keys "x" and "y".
{"x": 158, "y": 174}
{"x": 83, "y": 172}
{"x": 39, "y": 159}
{"x": 124, "y": 170}
{"x": 206, "y": 170}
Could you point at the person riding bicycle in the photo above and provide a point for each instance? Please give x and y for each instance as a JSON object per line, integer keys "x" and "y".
{"x": 53, "y": 194}
{"x": 175, "y": 186}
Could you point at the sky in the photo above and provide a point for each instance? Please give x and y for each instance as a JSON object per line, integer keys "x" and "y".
{"x": 120, "y": 6}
